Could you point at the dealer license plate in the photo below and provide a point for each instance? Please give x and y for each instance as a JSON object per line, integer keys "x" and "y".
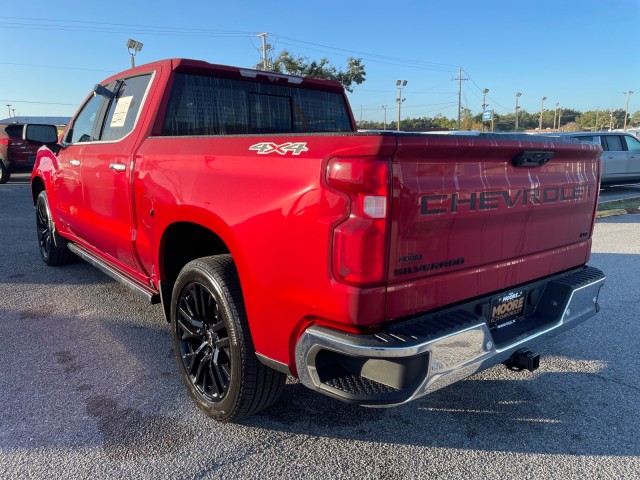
{"x": 506, "y": 308}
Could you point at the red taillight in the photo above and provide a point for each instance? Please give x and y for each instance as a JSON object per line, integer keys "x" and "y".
{"x": 360, "y": 241}
{"x": 4, "y": 141}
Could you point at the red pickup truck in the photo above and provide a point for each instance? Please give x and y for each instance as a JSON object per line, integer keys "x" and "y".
{"x": 374, "y": 266}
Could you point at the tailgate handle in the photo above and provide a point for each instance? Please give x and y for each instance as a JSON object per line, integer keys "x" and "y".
{"x": 532, "y": 158}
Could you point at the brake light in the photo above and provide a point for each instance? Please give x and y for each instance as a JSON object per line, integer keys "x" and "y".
{"x": 360, "y": 241}
{"x": 4, "y": 141}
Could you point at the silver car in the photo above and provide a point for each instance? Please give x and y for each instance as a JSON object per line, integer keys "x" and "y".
{"x": 620, "y": 156}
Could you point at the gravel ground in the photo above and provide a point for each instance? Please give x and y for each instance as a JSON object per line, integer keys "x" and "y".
{"x": 89, "y": 388}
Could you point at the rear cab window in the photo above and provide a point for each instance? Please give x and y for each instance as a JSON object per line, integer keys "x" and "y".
{"x": 209, "y": 105}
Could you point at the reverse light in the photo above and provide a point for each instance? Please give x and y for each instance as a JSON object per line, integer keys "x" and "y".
{"x": 360, "y": 241}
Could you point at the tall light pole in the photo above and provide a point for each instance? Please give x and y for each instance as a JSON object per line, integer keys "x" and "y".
{"x": 518, "y": 95}
{"x": 9, "y": 107}
{"x": 133, "y": 47}
{"x": 555, "y": 112}
{"x": 384, "y": 107}
{"x": 610, "y": 120}
{"x": 484, "y": 104}
{"x": 541, "y": 110}
{"x": 400, "y": 84}
{"x": 626, "y": 113}
{"x": 595, "y": 128}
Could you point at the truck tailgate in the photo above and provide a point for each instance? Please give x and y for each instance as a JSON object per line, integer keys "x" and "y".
{"x": 471, "y": 216}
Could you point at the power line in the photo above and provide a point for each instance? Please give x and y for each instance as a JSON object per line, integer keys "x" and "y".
{"x": 55, "y": 66}
{"x": 423, "y": 65}
{"x": 38, "y": 103}
{"x": 162, "y": 28}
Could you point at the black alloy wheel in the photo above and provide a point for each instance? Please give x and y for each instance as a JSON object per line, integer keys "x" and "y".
{"x": 203, "y": 342}
{"x": 213, "y": 344}
{"x": 53, "y": 248}
{"x": 5, "y": 174}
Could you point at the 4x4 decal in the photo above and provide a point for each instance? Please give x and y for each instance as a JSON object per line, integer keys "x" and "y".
{"x": 282, "y": 149}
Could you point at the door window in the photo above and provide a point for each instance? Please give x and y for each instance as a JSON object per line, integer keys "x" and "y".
{"x": 125, "y": 108}
{"x": 614, "y": 143}
{"x": 633, "y": 145}
{"x": 84, "y": 126}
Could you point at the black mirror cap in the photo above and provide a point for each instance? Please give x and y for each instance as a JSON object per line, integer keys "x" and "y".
{"x": 40, "y": 133}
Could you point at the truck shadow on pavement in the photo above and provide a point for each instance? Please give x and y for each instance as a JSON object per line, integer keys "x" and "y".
{"x": 112, "y": 382}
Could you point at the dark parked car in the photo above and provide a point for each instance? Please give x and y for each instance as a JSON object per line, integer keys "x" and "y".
{"x": 16, "y": 154}
{"x": 620, "y": 156}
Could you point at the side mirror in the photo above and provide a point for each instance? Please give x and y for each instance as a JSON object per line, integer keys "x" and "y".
{"x": 38, "y": 133}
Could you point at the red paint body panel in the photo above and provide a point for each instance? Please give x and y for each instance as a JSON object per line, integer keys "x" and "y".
{"x": 277, "y": 214}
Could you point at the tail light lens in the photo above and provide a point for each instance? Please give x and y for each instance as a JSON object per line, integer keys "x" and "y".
{"x": 360, "y": 241}
{"x": 4, "y": 141}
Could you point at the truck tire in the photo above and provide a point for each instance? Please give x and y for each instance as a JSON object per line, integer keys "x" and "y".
{"x": 213, "y": 345}
{"x": 53, "y": 248}
{"x": 5, "y": 174}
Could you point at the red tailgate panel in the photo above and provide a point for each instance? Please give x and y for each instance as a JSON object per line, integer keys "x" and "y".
{"x": 466, "y": 221}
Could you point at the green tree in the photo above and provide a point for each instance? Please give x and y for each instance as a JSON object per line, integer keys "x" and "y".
{"x": 354, "y": 74}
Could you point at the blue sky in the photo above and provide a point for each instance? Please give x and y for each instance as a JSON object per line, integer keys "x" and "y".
{"x": 582, "y": 54}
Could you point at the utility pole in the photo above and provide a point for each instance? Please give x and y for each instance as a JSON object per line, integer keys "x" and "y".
{"x": 265, "y": 48}
{"x": 541, "y": 110}
{"x": 460, "y": 79}
{"x": 484, "y": 105}
{"x": 595, "y": 128}
{"x": 384, "y": 107}
{"x": 400, "y": 84}
{"x": 518, "y": 95}
{"x": 559, "y": 117}
{"x": 626, "y": 112}
{"x": 555, "y": 112}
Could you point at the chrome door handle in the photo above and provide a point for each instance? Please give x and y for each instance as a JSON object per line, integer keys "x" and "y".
{"x": 118, "y": 167}
{"x": 75, "y": 163}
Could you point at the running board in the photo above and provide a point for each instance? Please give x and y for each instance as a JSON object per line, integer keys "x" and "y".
{"x": 147, "y": 292}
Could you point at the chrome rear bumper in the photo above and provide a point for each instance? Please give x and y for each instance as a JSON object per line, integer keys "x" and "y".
{"x": 418, "y": 356}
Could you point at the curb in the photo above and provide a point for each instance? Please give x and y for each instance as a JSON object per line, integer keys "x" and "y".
{"x": 611, "y": 213}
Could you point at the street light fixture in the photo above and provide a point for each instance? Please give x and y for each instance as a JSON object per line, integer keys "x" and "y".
{"x": 518, "y": 95}
{"x": 626, "y": 113}
{"x": 9, "y": 107}
{"x": 541, "y": 110}
{"x": 400, "y": 84}
{"x": 133, "y": 47}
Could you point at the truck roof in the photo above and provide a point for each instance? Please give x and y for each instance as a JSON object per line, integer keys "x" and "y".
{"x": 185, "y": 65}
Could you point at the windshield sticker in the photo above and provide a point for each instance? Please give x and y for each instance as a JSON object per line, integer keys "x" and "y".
{"x": 122, "y": 108}
{"x": 282, "y": 149}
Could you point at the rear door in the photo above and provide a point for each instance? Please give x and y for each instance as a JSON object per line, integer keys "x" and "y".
{"x": 615, "y": 158}
{"x": 107, "y": 175}
{"x": 633, "y": 148}
{"x": 18, "y": 151}
{"x": 467, "y": 221}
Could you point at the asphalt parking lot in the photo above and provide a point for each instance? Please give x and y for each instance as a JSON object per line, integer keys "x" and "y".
{"x": 89, "y": 389}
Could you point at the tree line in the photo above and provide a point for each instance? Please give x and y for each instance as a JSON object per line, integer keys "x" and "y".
{"x": 566, "y": 119}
